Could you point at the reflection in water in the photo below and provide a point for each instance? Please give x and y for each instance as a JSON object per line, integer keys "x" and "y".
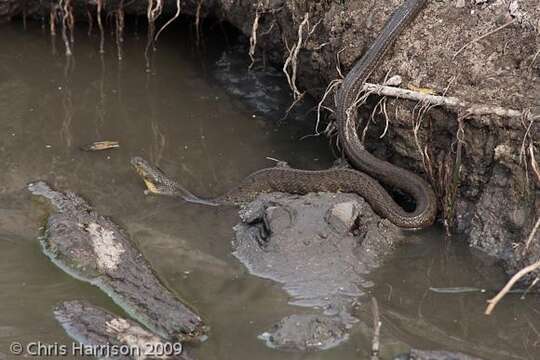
{"x": 200, "y": 130}
{"x": 67, "y": 101}
{"x": 159, "y": 140}
{"x": 100, "y": 104}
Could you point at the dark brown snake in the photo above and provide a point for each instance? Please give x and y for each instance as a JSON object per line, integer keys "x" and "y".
{"x": 289, "y": 180}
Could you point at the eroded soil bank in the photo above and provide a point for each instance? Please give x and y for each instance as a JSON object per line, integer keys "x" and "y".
{"x": 483, "y": 170}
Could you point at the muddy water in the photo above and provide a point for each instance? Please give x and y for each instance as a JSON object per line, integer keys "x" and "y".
{"x": 203, "y": 124}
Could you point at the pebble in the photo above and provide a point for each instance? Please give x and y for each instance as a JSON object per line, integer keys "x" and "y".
{"x": 342, "y": 216}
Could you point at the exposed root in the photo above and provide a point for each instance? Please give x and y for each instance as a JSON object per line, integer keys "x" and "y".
{"x": 447, "y": 101}
{"x": 253, "y": 37}
{"x": 419, "y": 112}
{"x": 119, "y": 17}
{"x": 527, "y": 149}
{"x": 292, "y": 60}
{"x": 263, "y": 6}
{"x": 293, "y": 104}
{"x": 99, "y": 7}
{"x": 52, "y": 19}
{"x": 67, "y": 24}
{"x": 154, "y": 9}
{"x": 329, "y": 89}
{"x": 176, "y": 15}
{"x": 198, "y": 21}
{"x": 90, "y": 19}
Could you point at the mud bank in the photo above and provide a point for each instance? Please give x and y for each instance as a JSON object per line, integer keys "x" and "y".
{"x": 482, "y": 166}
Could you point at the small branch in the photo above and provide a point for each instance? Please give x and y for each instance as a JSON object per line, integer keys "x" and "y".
{"x": 495, "y": 300}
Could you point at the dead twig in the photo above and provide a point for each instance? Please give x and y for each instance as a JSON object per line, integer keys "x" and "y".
{"x": 492, "y": 303}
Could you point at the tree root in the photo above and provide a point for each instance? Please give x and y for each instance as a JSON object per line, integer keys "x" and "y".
{"x": 263, "y": 6}
{"x": 464, "y": 107}
{"x": 153, "y": 11}
{"x": 63, "y": 10}
{"x": 99, "y": 7}
{"x": 119, "y": 17}
{"x": 176, "y": 15}
{"x": 292, "y": 60}
{"x": 253, "y": 37}
{"x": 198, "y": 21}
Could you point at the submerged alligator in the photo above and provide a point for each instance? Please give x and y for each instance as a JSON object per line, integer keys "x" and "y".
{"x": 92, "y": 248}
{"x": 295, "y": 181}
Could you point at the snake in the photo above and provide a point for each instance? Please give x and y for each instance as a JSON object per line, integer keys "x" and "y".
{"x": 369, "y": 171}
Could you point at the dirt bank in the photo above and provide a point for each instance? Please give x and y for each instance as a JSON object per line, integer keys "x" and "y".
{"x": 484, "y": 177}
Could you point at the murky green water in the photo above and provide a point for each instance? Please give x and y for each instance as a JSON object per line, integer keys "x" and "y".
{"x": 185, "y": 117}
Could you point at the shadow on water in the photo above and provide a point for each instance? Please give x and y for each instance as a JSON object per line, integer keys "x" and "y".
{"x": 208, "y": 126}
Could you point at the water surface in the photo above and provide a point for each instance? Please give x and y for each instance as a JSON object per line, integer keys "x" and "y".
{"x": 196, "y": 120}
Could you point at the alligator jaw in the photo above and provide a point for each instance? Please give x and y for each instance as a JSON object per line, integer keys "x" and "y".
{"x": 151, "y": 176}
